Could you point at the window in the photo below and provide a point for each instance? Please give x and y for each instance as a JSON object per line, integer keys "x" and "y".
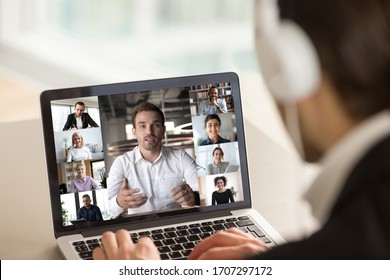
{"x": 73, "y": 42}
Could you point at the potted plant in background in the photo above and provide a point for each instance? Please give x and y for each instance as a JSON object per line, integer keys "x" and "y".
{"x": 66, "y": 146}
{"x": 234, "y": 192}
{"x": 103, "y": 178}
{"x": 64, "y": 213}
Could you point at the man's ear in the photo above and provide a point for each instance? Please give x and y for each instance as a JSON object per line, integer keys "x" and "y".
{"x": 133, "y": 131}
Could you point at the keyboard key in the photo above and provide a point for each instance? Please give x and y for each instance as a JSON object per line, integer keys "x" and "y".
{"x": 135, "y": 240}
{"x": 186, "y": 253}
{"x": 86, "y": 255}
{"x": 78, "y": 243}
{"x": 92, "y": 241}
{"x": 193, "y": 238}
{"x": 194, "y": 231}
{"x": 188, "y": 245}
{"x": 93, "y": 246}
{"x": 256, "y": 230}
{"x": 182, "y": 232}
{"x": 164, "y": 249}
{"x": 158, "y": 236}
{"x": 243, "y": 218}
{"x": 194, "y": 225}
{"x": 175, "y": 255}
{"x": 206, "y": 229}
{"x": 176, "y": 247}
{"x": 170, "y": 234}
{"x": 182, "y": 239}
{"x": 218, "y": 227}
{"x": 265, "y": 239}
{"x": 244, "y": 223}
{"x": 168, "y": 242}
{"x": 164, "y": 256}
{"x": 230, "y": 225}
{"x": 82, "y": 248}
{"x": 182, "y": 227}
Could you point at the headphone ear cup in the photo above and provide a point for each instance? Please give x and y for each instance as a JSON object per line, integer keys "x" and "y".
{"x": 288, "y": 62}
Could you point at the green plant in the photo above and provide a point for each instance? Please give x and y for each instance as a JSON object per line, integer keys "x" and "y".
{"x": 64, "y": 213}
{"x": 234, "y": 192}
{"x": 103, "y": 177}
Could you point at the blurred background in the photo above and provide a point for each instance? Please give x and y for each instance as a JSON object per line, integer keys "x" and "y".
{"x": 62, "y": 43}
{"x": 47, "y": 44}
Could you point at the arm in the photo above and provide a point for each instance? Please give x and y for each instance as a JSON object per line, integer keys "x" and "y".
{"x": 184, "y": 194}
{"x": 88, "y": 152}
{"x": 94, "y": 184}
{"x": 98, "y": 214}
{"x": 213, "y": 199}
{"x": 73, "y": 187}
{"x": 200, "y": 109}
{"x": 79, "y": 214}
{"x": 209, "y": 169}
{"x": 231, "y": 195}
{"x": 120, "y": 196}
{"x": 90, "y": 121}
{"x": 114, "y": 182}
{"x": 221, "y": 106}
{"x": 68, "y": 123}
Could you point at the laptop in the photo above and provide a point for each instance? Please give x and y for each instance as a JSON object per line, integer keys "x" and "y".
{"x": 176, "y": 230}
{"x": 232, "y": 168}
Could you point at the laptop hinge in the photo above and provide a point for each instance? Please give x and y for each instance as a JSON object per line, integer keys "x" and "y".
{"x": 157, "y": 223}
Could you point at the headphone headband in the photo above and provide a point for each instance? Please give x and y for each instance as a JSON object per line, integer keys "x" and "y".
{"x": 287, "y": 57}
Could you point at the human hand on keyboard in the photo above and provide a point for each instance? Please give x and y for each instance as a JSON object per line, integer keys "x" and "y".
{"x": 119, "y": 246}
{"x": 228, "y": 245}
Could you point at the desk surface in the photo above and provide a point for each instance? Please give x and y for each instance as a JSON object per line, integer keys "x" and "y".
{"x": 25, "y": 205}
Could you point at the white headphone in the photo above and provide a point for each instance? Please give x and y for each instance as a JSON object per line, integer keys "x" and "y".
{"x": 287, "y": 57}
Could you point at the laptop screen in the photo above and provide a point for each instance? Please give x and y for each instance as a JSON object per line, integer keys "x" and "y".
{"x": 93, "y": 143}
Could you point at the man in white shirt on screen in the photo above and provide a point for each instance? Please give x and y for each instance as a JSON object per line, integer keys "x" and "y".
{"x": 151, "y": 177}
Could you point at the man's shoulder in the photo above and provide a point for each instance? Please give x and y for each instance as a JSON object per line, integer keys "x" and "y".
{"x": 128, "y": 156}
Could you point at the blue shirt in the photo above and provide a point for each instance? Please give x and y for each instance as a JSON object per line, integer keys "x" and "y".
{"x": 206, "y": 108}
{"x": 220, "y": 140}
{"x": 91, "y": 214}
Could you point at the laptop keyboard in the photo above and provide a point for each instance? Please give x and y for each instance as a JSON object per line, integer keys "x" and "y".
{"x": 176, "y": 242}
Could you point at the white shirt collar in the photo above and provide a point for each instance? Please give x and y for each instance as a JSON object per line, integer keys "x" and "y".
{"x": 340, "y": 160}
{"x": 138, "y": 155}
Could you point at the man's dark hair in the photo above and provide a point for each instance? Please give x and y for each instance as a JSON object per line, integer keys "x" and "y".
{"x": 352, "y": 39}
{"x": 79, "y": 103}
{"x": 212, "y": 87}
{"x": 148, "y": 107}
{"x": 86, "y": 195}
{"x": 211, "y": 117}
